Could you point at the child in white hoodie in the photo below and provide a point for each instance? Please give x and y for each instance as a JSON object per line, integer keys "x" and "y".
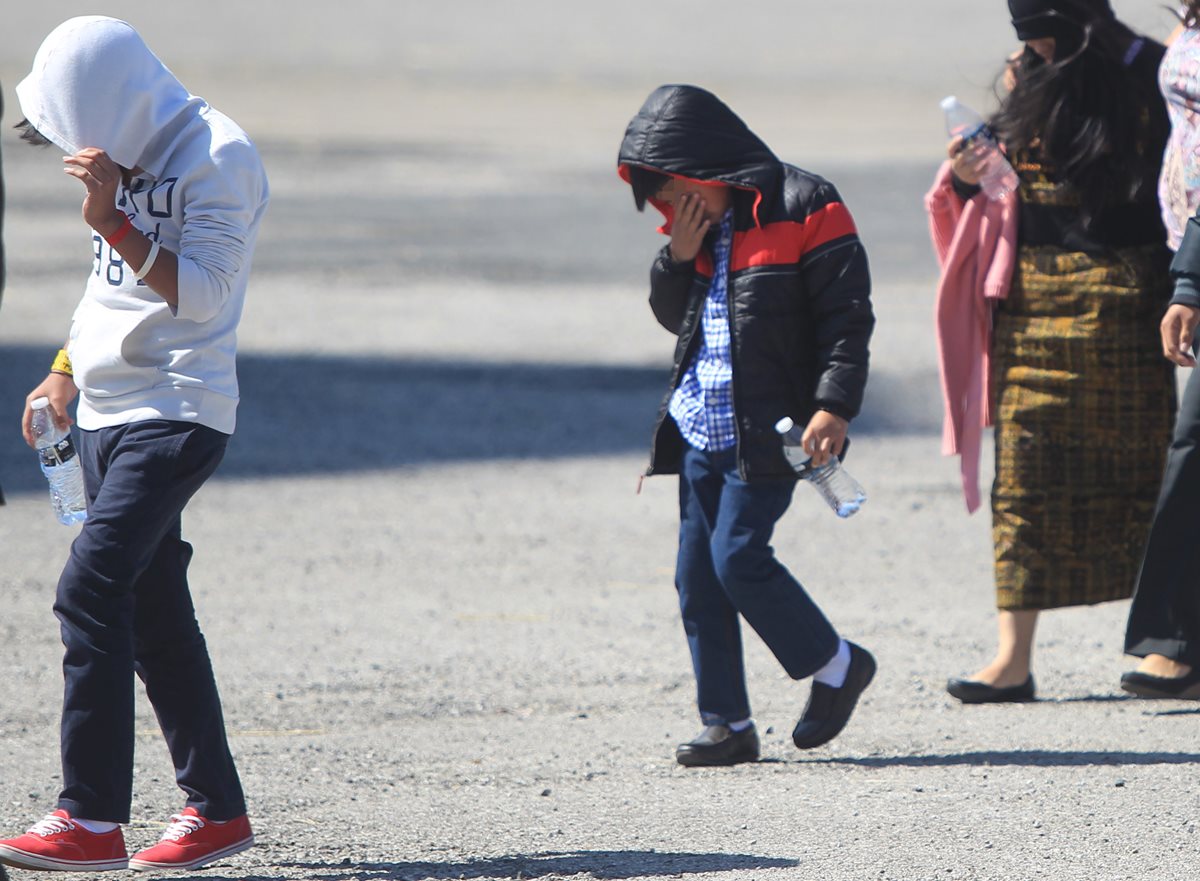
{"x": 175, "y": 192}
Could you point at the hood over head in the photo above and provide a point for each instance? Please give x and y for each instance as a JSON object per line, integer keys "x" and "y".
{"x": 95, "y": 83}
{"x": 686, "y": 131}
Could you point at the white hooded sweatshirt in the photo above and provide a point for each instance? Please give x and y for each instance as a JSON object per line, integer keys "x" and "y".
{"x": 200, "y": 191}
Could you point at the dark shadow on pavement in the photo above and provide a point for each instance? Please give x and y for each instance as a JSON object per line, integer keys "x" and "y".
{"x": 1190, "y": 711}
{"x": 1087, "y": 699}
{"x": 1025, "y": 758}
{"x": 320, "y": 414}
{"x": 302, "y": 414}
{"x": 603, "y": 864}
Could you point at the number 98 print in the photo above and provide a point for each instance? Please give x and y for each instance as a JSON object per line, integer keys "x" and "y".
{"x": 113, "y": 269}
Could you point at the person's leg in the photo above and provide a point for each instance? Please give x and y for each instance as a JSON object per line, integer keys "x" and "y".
{"x": 1014, "y": 652}
{"x": 172, "y": 660}
{"x": 96, "y": 729}
{"x": 66, "y": 841}
{"x": 138, "y": 483}
{"x": 1164, "y": 618}
{"x": 709, "y": 618}
{"x": 759, "y": 586}
{"x": 781, "y": 611}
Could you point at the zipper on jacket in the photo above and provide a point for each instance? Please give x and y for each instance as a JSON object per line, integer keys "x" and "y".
{"x": 733, "y": 374}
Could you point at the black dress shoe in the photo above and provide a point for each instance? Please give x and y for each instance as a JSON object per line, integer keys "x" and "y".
{"x": 719, "y": 745}
{"x": 1184, "y": 688}
{"x": 971, "y": 691}
{"x": 829, "y": 709}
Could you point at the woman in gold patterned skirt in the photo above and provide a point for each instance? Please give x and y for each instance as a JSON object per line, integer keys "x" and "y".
{"x": 1083, "y": 401}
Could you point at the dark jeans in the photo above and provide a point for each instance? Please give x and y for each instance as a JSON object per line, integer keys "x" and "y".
{"x": 727, "y": 567}
{"x": 1164, "y": 618}
{"x": 124, "y": 606}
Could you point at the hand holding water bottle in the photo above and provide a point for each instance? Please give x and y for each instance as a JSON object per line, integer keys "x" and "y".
{"x": 60, "y": 463}
{"x": 61, "y": 390}
{"x": 802, "y": 448}
{"x": 46, "y": 426}
{"x": 976, "y": 155}
{"x": 824, "y": 437}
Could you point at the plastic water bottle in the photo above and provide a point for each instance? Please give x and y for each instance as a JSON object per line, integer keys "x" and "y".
{"x": 998, "y": 178}
{"x": 59, "y": 463}
{"x": 839, "y": 490}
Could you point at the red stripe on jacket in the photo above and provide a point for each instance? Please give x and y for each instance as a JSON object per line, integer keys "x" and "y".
{"x": 786, "y": 241}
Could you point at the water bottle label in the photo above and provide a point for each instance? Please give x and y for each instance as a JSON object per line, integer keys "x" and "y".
{"x": 60, "y": 453}
{"x": 982, "y": 134}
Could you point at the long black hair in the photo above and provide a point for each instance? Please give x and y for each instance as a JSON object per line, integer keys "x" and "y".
{"x": 30, "y": 135}
{"x": 1093, "y": 119}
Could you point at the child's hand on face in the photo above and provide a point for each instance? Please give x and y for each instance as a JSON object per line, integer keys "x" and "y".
{"x": 688, "y": 228}
{"x": 102, "y": 177}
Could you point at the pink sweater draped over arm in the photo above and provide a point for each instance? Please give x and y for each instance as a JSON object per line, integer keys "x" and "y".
{"x": 976, "y": 246}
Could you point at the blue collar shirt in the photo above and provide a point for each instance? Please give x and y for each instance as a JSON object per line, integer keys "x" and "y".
{"x": 702, "y": 404}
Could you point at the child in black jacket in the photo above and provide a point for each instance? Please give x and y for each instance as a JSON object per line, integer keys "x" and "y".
{"x": 766, "y": 285}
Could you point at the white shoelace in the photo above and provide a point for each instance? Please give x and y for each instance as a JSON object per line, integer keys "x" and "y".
{"x": 51, "y": 825}
{"x": 181, "y": 825}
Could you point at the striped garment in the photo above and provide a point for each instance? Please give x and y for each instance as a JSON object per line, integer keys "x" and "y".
{"x": 702, "y": 405}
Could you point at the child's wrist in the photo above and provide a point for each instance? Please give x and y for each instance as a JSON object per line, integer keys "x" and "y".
{"x": 62, "y": 364}
{"x": 673, "y": 262}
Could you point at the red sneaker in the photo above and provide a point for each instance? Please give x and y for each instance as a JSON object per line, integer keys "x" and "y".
{"x": 59, "y": 844}
{"x": 192, "y": 841}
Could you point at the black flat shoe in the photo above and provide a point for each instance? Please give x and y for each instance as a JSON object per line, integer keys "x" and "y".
{"x": 718, "y": 745}
{"x": 829, "y": 709}
{"x": 1184, "y": 688}
{"x": 970, "y": 691}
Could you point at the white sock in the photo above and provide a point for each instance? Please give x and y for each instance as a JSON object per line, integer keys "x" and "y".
{"x": 834, "y": 673}
{"x": 99, "y": 827}
{"x": 740, "y": 726}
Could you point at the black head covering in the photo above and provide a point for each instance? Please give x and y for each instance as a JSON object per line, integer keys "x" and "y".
{"x": 1064, "y": 20}
{"x": 686, "y": 131}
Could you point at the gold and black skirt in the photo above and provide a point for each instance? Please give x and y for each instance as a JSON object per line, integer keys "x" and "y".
{"x": 1084, "y": 407}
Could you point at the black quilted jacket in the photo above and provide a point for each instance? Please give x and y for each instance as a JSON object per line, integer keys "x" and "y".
{"x": 799, "y": 284}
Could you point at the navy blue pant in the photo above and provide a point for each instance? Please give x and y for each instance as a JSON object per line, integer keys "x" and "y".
{"x": 1164, "y": 618}
{"x": 124, "y": 605}
{"x": 727, "y": 568}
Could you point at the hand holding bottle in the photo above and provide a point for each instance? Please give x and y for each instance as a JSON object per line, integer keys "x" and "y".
{"x": 968, "y": 161}
{"x": 840, "y": 491}
{"x": 824, "y": 437}
{"x": 59, "y": 462}
{"x": 976, "y": 154}
{"x": 61, "y": 391}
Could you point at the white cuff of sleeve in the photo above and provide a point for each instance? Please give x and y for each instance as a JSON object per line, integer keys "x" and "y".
{"x": 149, "y": 264}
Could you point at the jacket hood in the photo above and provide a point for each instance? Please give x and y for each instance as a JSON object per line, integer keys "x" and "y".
{"x": 95, "y": 83}
{"x": 686, "y": 131}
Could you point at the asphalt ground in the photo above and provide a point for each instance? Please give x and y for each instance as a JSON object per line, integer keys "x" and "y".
{"x": 442, "y": 620}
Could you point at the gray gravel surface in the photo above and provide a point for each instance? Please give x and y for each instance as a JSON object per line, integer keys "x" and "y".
{"x": 443, "y": 621}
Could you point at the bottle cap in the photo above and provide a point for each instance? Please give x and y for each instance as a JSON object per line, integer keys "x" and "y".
{"x": 949, "y": 102}
{"x": 39, "y": 403}
{"x": 784, "y": 425}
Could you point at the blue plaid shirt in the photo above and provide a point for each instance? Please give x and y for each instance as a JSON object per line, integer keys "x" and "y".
{"x": 702, "y": 405}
